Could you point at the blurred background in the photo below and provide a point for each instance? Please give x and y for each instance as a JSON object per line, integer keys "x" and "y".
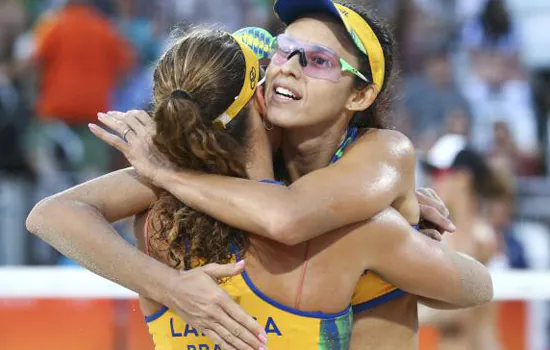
{"x": 474, "y": 76}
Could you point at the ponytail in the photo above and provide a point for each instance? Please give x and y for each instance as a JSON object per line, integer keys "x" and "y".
{"x": 192, "y": 237}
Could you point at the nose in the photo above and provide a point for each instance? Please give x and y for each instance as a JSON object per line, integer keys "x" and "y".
{"x": 302, "y": 55}
{"x": 293, "y": 66}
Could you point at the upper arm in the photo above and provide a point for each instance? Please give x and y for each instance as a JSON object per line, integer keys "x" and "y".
{"x": 376, "y": 172}
{"x": 117, "y": 195}
{"x": 413, "y": 262}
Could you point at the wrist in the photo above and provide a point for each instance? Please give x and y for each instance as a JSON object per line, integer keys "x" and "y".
{"x": 159, "y": 283}
{"x": 162, "y": 177}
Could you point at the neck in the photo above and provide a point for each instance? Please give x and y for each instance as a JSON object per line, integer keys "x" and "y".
{"x": 305, "y": 151}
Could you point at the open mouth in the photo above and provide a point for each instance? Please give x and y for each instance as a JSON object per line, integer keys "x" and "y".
{"x": 287, "y": 94}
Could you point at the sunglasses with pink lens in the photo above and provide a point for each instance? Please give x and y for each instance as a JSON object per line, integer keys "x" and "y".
{"x": 317, "y": 61}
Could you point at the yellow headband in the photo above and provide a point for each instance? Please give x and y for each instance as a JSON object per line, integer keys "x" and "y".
{"x": 366, "y": 41}
{"x": 248, "y": 89}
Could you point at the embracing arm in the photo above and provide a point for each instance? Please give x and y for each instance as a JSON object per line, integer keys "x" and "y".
{"x": 422, "y": 266}
{"x": 373, "y": 175}
{"x": 76, "y": 222}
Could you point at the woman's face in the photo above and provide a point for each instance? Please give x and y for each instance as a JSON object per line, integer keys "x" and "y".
{"x": 316, "y": 101}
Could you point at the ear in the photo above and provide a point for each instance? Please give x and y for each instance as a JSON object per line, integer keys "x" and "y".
{"x": 259, "y": 98}
{"x": 361, "y": 99}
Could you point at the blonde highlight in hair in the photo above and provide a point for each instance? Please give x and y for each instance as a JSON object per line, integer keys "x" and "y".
{"x": 209, "y": 66}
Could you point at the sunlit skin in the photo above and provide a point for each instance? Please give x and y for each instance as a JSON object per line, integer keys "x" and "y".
{"x": 309, "y": 123}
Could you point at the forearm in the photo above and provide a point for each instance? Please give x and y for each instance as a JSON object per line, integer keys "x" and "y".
{"x": 87, "y": 238}
{"x": 435, "y": 305}
{"x": 248, "y": 205}
{"x": 438, "y": 314}
{"x": 288, "y": 215}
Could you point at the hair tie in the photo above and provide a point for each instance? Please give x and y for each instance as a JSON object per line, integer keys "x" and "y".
{"x": 181, "y": 94}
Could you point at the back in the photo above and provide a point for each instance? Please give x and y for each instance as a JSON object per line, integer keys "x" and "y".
{"x": 286, "y": 327}
{"x": 319, "y": 275}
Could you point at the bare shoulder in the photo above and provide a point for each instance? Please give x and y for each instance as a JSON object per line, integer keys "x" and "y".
{"x": 390, "y": 143}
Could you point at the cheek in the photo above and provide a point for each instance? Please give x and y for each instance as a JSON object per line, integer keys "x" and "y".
{"x": 328, "y": 94}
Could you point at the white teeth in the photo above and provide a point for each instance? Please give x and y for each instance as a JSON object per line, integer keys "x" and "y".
{"x": 285, "y": 92}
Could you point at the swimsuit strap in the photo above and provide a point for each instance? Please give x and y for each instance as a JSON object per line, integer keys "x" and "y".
{"x": 351, "y": 135}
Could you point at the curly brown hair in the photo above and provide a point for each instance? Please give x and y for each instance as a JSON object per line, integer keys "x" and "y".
{"x": 209, "y": 66}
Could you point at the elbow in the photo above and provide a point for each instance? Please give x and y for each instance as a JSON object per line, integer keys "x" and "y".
{"x": 38, "y": 216}
{"x": 487, "y": 292}
{"x": 482, "y": 292}
{"x": 284, "y": 228}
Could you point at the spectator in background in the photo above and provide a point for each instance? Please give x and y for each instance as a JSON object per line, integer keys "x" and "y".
{"x": 500, "y": 213}
{"x": 503, "y": 153}
{"x": 497, "y": 89}
{"x": 233, "y": 14}
{"x": 431, "y": 101}
{"x": 465, "y": 183}
{"x": 80, "y": 58}
{"x": 136, "y": 91}
{"x": 12, "y": 123}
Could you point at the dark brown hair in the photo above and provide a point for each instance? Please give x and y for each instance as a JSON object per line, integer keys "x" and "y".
{"x": 209, "y": 67}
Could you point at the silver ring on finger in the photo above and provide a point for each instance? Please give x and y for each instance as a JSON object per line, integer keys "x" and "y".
{"x": 126, "y": 133}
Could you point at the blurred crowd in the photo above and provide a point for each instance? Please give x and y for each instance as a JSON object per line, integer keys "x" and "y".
{"x": 471, "y": 71}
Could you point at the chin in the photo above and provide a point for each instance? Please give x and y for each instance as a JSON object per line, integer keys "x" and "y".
{"x": 281, "y": 118}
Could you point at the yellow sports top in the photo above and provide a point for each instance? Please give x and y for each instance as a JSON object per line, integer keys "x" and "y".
{"x": 286, "y": 328}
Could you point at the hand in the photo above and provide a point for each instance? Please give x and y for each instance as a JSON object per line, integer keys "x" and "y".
{"x": 132, "y": 135}
{"x": 434, "y": 215}
{"x": 196, "y": 297}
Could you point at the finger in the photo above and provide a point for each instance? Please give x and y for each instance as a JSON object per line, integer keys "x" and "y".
{"x": 108, "y": 137}
{"x": 128, "y": 120}
{"x": 428, "y": 200}
{"x": 429, "y": 213}
{"x": 216, "y": 338}
{"x": 433, "y": 234}
{"x": 230, "y": 338}
{"x": 431, "y": 192}
{"x": 113, "y": 122}
{"x": 143, "y": 117}
{"x": 434, "y": 194}
{"x": 218, "y": 271}
{"x": 244, "y": 327}
{"x": 135, "y": 124}
{"x": 423, "y": 191}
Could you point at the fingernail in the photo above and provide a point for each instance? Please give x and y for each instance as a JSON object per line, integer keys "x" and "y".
{"x": 240, "y": 264}
{"x": 262, "y": 348}
{"x": 452, "y": 226}
{"x": 92, "y": 126}
{"x": 263, "y": 338}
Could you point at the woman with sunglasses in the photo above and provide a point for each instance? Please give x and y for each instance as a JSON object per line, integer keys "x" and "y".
{"x": 321, "y": 102}
{"x": 398, "y": 202}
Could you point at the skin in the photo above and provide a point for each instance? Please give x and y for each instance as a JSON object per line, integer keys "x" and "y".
{"x": 392, "y": 150}
{"x": 470, "y": 328}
